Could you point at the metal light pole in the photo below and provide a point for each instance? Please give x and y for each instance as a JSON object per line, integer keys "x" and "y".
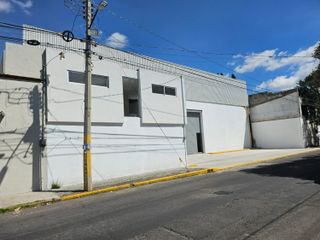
{"x": 87, "y": 170}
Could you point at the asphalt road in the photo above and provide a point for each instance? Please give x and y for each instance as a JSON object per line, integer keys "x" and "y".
{"x": 274, "y": 201}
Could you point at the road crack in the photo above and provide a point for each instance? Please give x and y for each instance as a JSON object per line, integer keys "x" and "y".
{"x": 170, "y": 230}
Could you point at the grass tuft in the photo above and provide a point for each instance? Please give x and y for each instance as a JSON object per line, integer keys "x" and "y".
{"x": 55, "y": 185}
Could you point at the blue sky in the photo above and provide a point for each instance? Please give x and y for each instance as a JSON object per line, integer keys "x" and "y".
{"x": 268, "y": 43}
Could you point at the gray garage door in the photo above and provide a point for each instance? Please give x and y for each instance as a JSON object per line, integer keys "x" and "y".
{"x": 193, "y": 133}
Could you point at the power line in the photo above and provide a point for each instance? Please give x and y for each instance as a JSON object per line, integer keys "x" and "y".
{"x": 184, "y": 49}
{"x": 227, "y": 54}
{"x": 182, "y": 68}
{"x": 150, "y": 59}
{"x": 143, "y": 28}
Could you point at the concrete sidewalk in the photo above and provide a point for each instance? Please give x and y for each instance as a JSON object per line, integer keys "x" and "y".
{"x": 238, "y": 158}
{"x": 8, "y": 200}
{"x": 220, "y": 161}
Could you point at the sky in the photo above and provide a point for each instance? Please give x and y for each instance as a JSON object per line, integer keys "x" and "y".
{"x": 267, "y": 43}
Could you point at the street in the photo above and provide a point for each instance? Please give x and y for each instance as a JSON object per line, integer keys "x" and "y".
{"x": 279, "y": 200}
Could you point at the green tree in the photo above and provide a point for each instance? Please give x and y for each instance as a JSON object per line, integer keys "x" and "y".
{"x": 309, "y": 91}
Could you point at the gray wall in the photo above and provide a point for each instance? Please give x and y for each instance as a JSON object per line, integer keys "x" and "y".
{"x": 20, "y": 153}
{"x": 284, "y": 107}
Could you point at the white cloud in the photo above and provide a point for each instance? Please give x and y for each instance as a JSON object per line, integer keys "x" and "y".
{"x": 300, "y": 64}
{"x": 117, "y": 40}
{"x": 25, "y": 6}
{"x": 5, "y": 6}
{"x": 284, "y": 82}
{"x": 8, "y": 5}
{"x": 255, "y": 60}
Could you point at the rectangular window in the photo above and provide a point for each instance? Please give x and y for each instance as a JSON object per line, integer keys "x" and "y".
{"x": 131, "y": 102}
{"x": 76, "y": 77}
{"x": 170, "y": 91}
{"x": 97, "y": 80}
{"x": 157, "y": 89}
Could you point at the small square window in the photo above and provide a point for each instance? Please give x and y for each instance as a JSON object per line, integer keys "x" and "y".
{"x": 157, "y": 89}
{"x": 170, "y": 91}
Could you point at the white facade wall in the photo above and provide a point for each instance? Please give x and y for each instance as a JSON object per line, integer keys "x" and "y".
{"x": 124, "y": 146}
{"x": 160, "y": 108}
{"x": 107, "y": 102}
{"x": 284, "y": 133}
{"x": 117, "y": 151}
{"x": 65, "y": 99}
{"x": 223, "y": 127}
{"x": 121, "y": 146}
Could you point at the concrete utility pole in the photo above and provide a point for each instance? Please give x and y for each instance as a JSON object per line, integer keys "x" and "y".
{"x": 89, "y": 18}
{"x": 87, "y": 175}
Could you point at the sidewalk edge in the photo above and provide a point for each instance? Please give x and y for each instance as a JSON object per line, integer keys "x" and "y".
{"x": 264, "y": 160}
{"x": 139, "y": 183}
{"x": 33, "y": 204}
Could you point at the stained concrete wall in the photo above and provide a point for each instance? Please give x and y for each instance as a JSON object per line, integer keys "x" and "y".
{"x": 22, "y": 60}
{"x": 276, "y": 120}
{"x": 20, "y": 154}
{"x": 224, "y": 127}
{"x": 284, "y": 107}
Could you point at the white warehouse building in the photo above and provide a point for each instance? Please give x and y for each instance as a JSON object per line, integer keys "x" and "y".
{"x": 147, "y": 114}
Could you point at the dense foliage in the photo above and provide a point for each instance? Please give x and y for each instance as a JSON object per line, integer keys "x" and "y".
{"x": 309, "y": 90}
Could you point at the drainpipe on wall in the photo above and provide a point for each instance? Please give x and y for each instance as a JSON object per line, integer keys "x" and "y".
{"x": 184, "y": 120}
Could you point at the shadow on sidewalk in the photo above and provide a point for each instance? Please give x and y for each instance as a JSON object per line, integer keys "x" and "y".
{"x": 305, "y": 168}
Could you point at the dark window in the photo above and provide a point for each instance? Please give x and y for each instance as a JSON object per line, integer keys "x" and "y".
{"x": 157, "y": 89}
{"x": 133, "y": 107}
{"x": 76, "y": 77}
{"x": 100, "y": 80}
{"x": 97, "y": 80}
{"x": 160, "y": 89}
{"x": 170, "y": 91}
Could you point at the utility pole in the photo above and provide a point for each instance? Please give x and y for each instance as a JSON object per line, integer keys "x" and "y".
{"x": 87, "y": 173}
{"x": 89, "y": 18}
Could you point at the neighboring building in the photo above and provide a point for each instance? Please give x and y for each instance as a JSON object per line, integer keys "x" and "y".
{"x": 20, "y": 133}
{"x": 277, "y": 121}
{"x": 143, "y": 110}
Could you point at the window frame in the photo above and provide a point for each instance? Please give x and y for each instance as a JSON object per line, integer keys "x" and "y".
{"x": 171, "y": 88}
{"x": 107, "y": 85}
{"x": 163, "y": 92}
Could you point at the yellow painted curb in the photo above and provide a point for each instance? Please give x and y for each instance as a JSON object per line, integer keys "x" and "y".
{"x": 172, "y": 177}
{"x": 229, "y": 151}
{"x": 263, "y": 161}
{"x": 136, "y": 184}
{"x": 193, "y": 165}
